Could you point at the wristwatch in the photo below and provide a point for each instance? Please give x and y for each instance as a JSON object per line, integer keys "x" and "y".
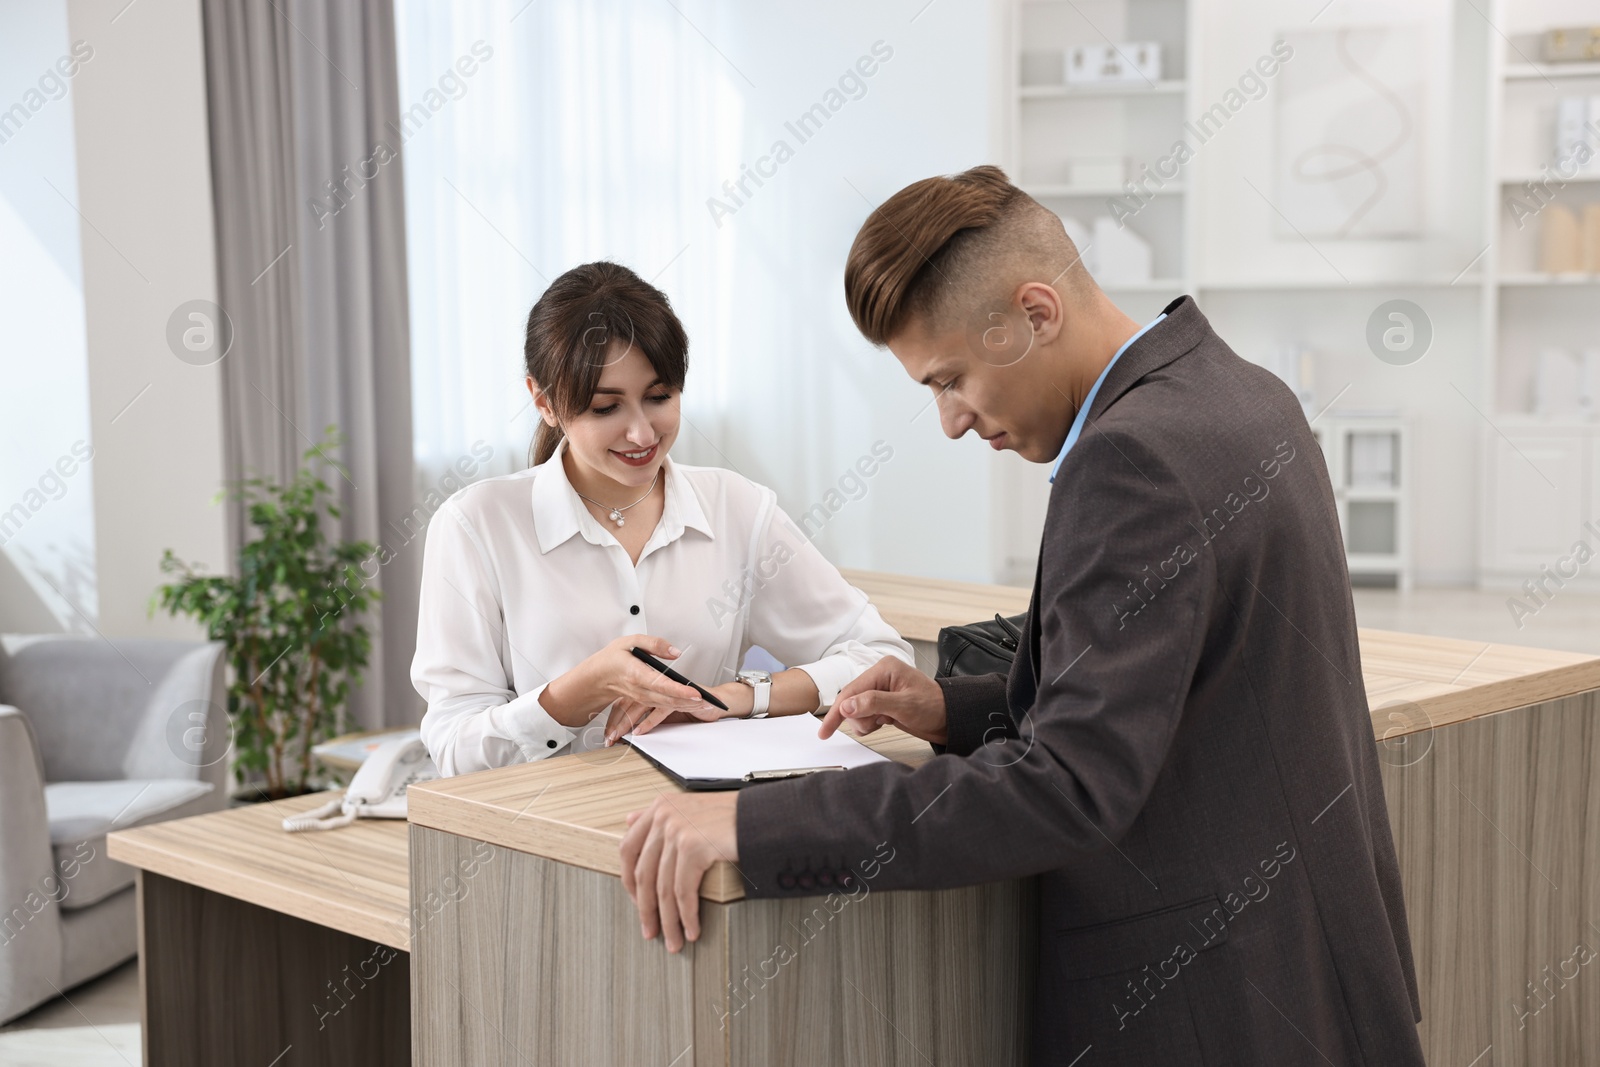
{"x": 761, "y": 682}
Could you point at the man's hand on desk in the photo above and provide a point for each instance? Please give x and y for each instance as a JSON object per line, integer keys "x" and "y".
{"x": 668, "y": 848}
{"x": 889, "y": 693}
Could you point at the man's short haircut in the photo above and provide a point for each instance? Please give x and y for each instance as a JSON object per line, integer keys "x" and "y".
{"x": 952, "y": 246}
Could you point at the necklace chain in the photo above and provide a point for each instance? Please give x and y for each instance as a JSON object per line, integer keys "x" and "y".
{"x": 616, "y": 513}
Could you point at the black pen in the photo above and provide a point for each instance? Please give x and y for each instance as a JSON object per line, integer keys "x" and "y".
{"x": 650, "y": 661}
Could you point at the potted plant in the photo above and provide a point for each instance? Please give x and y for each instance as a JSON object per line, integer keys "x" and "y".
{"x": 291, "y": 620}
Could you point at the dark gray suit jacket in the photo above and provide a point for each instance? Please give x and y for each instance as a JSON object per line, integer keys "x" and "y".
{"x": 1182, "y": 751}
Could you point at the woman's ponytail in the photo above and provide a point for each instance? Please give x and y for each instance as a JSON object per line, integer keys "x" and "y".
{"x": 544, "y": 444}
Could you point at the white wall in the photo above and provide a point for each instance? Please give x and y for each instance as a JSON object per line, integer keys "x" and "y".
{"x": 144, "y": 192}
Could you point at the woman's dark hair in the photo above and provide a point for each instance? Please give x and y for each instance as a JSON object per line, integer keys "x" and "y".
{"x": 589, "y": 317}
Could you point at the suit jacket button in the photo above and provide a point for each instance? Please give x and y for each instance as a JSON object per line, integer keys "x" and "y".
{"x": 785, "y": 880}
{"x": 806, "y": 881}
{"x": 825, "y": 877}
{"x": 846, "y": 880}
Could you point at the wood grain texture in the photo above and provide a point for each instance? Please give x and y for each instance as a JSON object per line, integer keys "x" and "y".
{"x": 920, "y": 607}
{"x": 540, "y": 962}
{"x": 1436, "y": 681}
{"x": 574, "y": 808}
{"x": 1497, "y": 826}
{"x": 225, "y": 982}
{"x": 352, "y": 879}
{"x": 903, "y": 978}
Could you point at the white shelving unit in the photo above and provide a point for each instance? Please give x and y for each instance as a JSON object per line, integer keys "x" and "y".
{"x": 1540, "y": 469}
{"x": 1039, "y": 92}
{"x": 1131, "y": 121}
{"x": 1369, "y": 464}
{"x": 1050, "y": 123}
{"x": 1469, "y": 440}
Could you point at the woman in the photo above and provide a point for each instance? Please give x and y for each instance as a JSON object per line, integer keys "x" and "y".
{"x": 536, "y": 585}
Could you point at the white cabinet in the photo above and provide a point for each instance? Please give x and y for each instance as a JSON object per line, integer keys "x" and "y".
{"x": 1538, "y": 494}
{"x": 1369, "y": 464}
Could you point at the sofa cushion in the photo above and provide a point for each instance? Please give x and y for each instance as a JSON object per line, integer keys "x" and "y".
{"x": 81, "y": 813}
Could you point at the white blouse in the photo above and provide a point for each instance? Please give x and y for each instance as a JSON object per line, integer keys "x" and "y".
{"x": 520, "y": 584}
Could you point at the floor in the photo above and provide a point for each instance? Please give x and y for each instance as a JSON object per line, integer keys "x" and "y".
{"x": 1569, "y": 620}
{"x": 100, "y": 1025}
{"x": 94, "y": 1025}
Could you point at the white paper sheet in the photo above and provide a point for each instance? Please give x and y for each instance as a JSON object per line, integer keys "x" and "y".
{"x": 732, "y": 748}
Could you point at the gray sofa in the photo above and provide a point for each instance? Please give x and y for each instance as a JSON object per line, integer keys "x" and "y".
{"x": 93, "y": 737}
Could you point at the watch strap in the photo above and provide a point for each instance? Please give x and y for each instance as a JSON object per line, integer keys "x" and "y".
{"x": 761, "y": 687}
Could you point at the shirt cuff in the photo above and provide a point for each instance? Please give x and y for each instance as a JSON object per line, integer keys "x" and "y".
{"x": 831, "y": 674}
{"x": 526, "y": 723}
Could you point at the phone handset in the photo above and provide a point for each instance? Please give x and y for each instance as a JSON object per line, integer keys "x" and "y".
{"x": 377, "y": 791}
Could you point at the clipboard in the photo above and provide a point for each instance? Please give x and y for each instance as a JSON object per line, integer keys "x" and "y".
{"x": 739, "y": 753}
{"x": 710, "y": 785}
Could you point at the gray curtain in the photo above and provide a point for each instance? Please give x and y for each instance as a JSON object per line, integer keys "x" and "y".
{"x": 311, "y": 263}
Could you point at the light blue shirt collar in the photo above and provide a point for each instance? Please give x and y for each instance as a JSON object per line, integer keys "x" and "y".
{"x": 1088, "y": 401}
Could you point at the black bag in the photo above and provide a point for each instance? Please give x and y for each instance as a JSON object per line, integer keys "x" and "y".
{"x": 980, "y": 647}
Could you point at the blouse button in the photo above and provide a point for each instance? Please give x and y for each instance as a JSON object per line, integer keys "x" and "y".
{"x": 634, "y": 610}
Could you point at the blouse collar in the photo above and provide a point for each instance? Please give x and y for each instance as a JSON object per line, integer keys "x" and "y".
{"x": 558, "y": 511}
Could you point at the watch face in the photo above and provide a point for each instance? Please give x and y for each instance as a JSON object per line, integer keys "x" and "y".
{"x": 755, "y": 677}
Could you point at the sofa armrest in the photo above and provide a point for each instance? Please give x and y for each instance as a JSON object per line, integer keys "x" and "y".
{"x": 30, "y": 889}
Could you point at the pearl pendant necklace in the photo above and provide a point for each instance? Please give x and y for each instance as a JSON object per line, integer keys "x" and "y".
{"x": 616, "y": 513}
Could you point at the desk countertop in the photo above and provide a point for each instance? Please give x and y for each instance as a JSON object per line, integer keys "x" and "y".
{"x": 574, "y": 808}
{"x": 1413, "y": 682}
{"x": 355, "y": 879}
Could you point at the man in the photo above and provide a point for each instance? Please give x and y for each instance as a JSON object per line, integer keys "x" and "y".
{"x": 1182, "y": 750}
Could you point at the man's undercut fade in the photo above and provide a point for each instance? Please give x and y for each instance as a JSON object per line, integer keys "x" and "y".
{"x": 945, "y": 250}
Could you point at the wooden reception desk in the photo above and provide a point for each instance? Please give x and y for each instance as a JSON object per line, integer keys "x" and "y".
{"x": 257, "y": 944}
{"x": 541, "y": 961}
{"x": 1488, "y": 754}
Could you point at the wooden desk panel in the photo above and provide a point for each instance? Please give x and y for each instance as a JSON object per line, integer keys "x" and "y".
{"x": 354, "y": 879}
{"x": 542, "y": 963}
{"x": 223, "y": 981}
